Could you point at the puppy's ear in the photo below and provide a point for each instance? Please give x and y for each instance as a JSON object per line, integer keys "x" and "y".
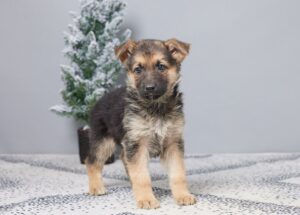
{"x": 178, "y": 49}
{"x": 124, "y": 50}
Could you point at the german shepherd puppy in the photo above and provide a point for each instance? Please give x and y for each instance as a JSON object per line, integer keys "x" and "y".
{"x": 146, "y": 118}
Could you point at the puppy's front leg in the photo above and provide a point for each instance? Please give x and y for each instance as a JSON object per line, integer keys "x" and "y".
{"x": 173, "y": 158}
{"x": 137, "y": 157}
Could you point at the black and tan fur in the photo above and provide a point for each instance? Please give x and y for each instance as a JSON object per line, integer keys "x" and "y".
{"x": 146, "y": 118}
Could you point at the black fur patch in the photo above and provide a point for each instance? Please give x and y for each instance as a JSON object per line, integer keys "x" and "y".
{"x": 155, "y": 146}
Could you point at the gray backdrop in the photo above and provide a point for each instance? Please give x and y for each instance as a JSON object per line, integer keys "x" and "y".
{"x": 241, "y": 80}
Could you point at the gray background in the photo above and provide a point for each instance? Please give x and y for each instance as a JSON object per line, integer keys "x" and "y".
{"x": 241, "y": 81}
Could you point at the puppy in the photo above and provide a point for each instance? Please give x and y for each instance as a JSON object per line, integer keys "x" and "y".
{"x": 146, "y": 118}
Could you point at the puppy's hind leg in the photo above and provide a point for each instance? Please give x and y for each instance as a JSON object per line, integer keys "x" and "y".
{"x": 99, "y": 152}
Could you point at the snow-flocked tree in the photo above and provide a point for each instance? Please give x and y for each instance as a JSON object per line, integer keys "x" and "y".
{"x": 89, "y": 46}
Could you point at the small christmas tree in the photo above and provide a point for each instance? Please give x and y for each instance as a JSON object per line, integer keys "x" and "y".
{"x": 93, "y": 68}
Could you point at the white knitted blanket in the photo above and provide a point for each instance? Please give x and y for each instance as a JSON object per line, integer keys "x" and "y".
{"x": 223, "y": 183}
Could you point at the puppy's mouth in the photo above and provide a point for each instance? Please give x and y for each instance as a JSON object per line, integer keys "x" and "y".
{"x": 151, "y": 96}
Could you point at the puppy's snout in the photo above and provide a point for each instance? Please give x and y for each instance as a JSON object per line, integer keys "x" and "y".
{"x": 149, "y": 87}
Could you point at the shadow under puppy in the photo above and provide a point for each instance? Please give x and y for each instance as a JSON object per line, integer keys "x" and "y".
{"x": 146, "y": 118}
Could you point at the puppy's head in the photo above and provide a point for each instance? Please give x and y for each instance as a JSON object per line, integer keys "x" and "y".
{"x": 152, "y": 65}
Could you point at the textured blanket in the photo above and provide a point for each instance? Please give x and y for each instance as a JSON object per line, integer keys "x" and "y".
{"x": 223, "y": 183}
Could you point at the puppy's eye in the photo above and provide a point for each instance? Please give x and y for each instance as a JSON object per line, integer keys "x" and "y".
{"x": 161, "y": 67}
{"x": 138, "y": 70}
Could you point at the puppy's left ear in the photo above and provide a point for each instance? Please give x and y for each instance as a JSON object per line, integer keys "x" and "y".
{"x": 178, "y": 49}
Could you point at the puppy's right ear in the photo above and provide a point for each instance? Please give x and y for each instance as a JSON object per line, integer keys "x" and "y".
{"x": 124, "y": 50}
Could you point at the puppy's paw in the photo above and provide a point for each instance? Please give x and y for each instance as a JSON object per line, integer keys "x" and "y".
{"x": 97, "y": 190}
{"x": 150, "y": 203}
{"x": 186, "y": 199}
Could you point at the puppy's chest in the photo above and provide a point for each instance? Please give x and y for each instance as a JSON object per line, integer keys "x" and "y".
{"x": 153, "y": 130}
{"x": 151, "y": 127}
{"x": 156, "y": 130}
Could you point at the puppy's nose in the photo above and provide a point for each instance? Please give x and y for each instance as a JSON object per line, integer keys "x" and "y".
{"x": 150, "y": 87}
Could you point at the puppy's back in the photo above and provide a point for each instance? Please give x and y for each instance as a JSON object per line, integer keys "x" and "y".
{"x": 107, "y": 115}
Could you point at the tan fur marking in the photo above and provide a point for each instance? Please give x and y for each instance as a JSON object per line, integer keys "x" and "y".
{"x": 173, "y": 159}
{"x": 158, "y": 56}
{"x": 104, "y": 151}
{"x": 140, "y": 179}
{"x": 131, "y": 80}
{"x": 96, "y": 186}
{"x": 173, "y": 79}
{"x": 176, "y": 129}
{"x": 139, "y": 59}
{"x": 159, "y": 43}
